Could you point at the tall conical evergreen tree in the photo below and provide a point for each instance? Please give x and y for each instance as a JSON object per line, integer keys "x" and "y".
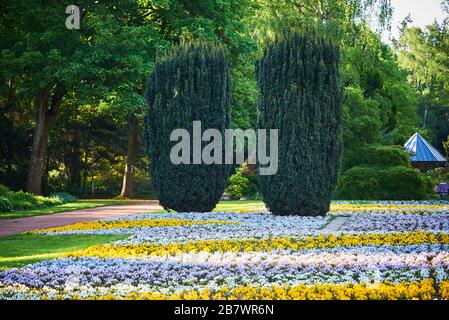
{"x": 300, "y": 94}
{"x": 191, "y": 83}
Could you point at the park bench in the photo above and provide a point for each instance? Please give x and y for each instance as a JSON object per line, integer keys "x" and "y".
{"x": 442, "y": 189}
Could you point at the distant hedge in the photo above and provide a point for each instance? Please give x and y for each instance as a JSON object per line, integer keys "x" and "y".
{"x": 377, "y": 155}
{"x": 383, "y": 183}
{"x": 378, "y": 172}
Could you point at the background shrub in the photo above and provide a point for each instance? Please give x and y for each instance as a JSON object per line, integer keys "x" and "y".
{"x": 377, "y": 183}
{"x": 238, "y": 186}
{"x": 27, "y": 201}
{"x": 192, "y": 83}
{"x": 377, "y": 155}
{"x": 253, "y": 190}
{"x": 43, "y": 202}
{"x": 381, "y": 172}
{"x": 300, "y": 94}
{"x": 21, "y": 200}
{"x": 64, "y": 197}
{"x": 3, "y": 191}
{"x": 5, "y": 204}
{"x": 244, "y": 184}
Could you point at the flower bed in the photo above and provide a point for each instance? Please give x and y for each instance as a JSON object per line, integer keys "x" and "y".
{"x": 376, "y": 254}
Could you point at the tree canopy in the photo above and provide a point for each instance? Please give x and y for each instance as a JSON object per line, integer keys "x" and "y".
{"x": 71, "y": 101}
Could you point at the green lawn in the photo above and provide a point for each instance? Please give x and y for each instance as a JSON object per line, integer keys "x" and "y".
{"x": 59, "y": 208}
{"x": 224, "y": 206}
{"x": 229, "y": 206}
{"x": 22, "y": 249}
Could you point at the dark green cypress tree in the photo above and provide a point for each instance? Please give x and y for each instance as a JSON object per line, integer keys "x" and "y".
{"x": 300, "y": 95}
{"x": 191, "y": 83}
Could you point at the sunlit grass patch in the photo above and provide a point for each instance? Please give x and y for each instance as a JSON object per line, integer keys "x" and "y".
{"x": 20, "y": 250}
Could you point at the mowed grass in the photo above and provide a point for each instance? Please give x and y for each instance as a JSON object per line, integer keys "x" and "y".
{"x": 60, "y": 208}
{"x": 229, "y": 206}
{"x": 236, "y": 206}
{"x": 22, "y": 249}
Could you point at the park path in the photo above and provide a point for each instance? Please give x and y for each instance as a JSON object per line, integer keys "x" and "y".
{"x": 335, "y": 224}
{"x": 14, "y": 226}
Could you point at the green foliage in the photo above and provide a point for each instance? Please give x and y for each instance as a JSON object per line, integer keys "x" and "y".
{"x": 253, "y": 189}
{"x": 424, "y": 53}
{"x": 377, "y": 183}
{"x": 191, "y": 83}
{"x": 101, "y": 69}
{"x": 5, "y": 204}
{"x": 339, "y": 20}
{"x": 446, "y": 146}
{"x": 361, "y": 119}
{"x": 384, "y": 156}
{"x": 244, "y": 183}
{"x": 438, "y": 175}
{"x": 64, "y": 197}
{"x": 3, "y": 190}
{"x": 379, "y": 99}
{"x": 26, "y": 201}
{"x": 224, "y": 21}
{"x": 380, "y": 105}
{"x": 238, "y": 186}
{"x": 23, "y": 200}
{"x": 300, "y": 94}
{"x": 377, "y": 172}
{"x": 43, "y": 202}
{"x": 378, "y": 156}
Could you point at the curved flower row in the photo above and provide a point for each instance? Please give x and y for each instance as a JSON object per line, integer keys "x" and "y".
{"x": 423, "y": 290}
{"x": 126, "y": 224}
{"x": 155, "y": 228}
{"x": 321, "y": 241}
{"x": 397, "y": 222}
{"x": 382, "y": 207}
{"x": 89, "y": 277}
{"x": 192, "y": 226}
{"x": 343, "y": 258}
{"x": 389, "y": 208}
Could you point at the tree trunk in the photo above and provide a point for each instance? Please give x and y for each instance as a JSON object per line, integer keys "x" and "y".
{"x": 46, "y": 172}
{"x": 133, "y": 141}
{"x": 46, "y": 108}
{"x": 75, "y": 161}
{"x": 85, "y": 169}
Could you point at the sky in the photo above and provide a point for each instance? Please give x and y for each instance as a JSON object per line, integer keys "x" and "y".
{"x": 423, "y": 12}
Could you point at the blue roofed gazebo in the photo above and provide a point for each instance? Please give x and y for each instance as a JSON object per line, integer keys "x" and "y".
{"x": 422, "y": 154}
